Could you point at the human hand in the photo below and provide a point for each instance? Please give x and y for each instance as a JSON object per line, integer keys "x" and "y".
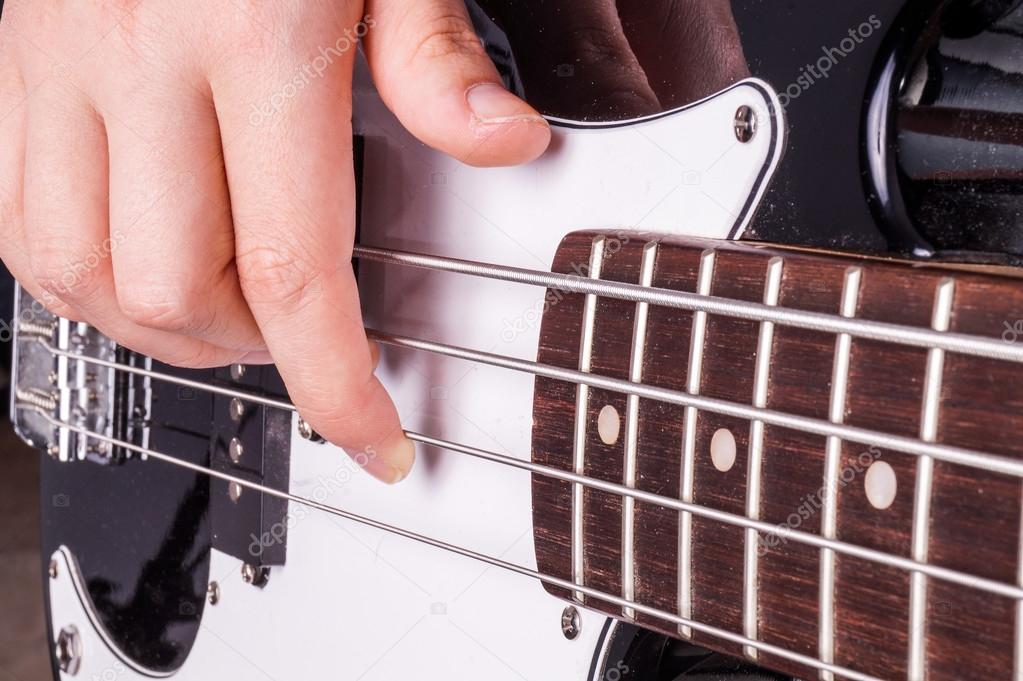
{"x": 141, "y": 192}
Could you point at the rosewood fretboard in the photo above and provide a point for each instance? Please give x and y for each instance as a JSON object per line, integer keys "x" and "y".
{"x": 879, "y": 619}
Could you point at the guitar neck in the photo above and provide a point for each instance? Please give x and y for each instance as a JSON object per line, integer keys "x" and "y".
{"x": 841, "y": 437}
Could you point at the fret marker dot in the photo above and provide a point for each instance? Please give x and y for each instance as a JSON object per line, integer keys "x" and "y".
{"x": 880, "y": 485}
{"x": 722, "y": 450}
{"x": 609, "y": 424}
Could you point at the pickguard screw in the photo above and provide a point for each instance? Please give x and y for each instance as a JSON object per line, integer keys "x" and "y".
{"x": 213, "y": 593}
{"x": 68, "y": 650}
{"x": 234, "y": 491}
{"x": 53, "y": 570}
{"x": 237, "y": 409}
{"x": 53, "y": 451}
{"x": 237, "y": 372}
{"x": 235, "y": 450}
{"x": 256, "y": 576}
{"x": 570, "y": 623}
{"x": 307, "y": 433}
{"x": 745, "y": 124}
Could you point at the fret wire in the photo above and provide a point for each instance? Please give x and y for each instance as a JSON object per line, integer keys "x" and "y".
{"x": 780, "y": 531}
{"x": 1018, "y": 656}
{"x": 930, "y": 411}
{"x": 980, "y": 346}
{"x": 832, "y": 457}
{"x": 761, "y": 383}
{"x": 550, "y": 580}
{"x": 693, "y": 379}
{"x": 582, "y": 402}
{"x": 639, "y": 331}
{"x": 907, "y": 445}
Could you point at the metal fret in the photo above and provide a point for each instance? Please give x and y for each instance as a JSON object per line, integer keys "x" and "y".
{"x": 832, "y": 457}
{"x": 693, "y": 379}
{"x": 639, "y": 330}
{"x": 1018, "y": 656}
{"x": 761, "y": 382}
{"x": 940, "y": 321}
{"x": 582, "y": 399}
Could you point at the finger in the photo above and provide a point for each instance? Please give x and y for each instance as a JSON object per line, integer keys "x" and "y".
{"x": 432, "y": 71}
{"x": 13, "y": 244}
{"x": 580, "y": 66}
{"x": 697, "y": 50}
{"x": 170, "y": 212}
{"x": 67, "y": 226}
{"x": 292, "y": 197}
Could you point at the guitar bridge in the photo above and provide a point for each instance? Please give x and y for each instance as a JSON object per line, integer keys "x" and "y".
{"x": 52, "y": 381}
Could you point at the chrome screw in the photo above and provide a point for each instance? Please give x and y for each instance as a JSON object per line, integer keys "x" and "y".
{"x": 256, "y": 576}
{"x": 307, "y": 433}
{"x": 237, "y": 371}
{"x": 234, "y": 491}
{"x": 53, "y": 451}
{"x": 236, "y": 409}
{"x": 235, "y": 450}
{"x": 213, "y": 593}
{"x": 570, "y": 623}
{"x": 68, "y": 650}
{"x": 53, "y": 570}
{"x": 745, "y": 124}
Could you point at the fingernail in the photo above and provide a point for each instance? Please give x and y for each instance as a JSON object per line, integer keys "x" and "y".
{"x": 392, "y": 466}
{"x": 374, "y": 354}
{"x": 491, "y": 103}
{"x": 256, "y": 357}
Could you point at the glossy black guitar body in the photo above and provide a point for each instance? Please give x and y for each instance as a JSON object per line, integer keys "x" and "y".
{"x": 142, "y": 533}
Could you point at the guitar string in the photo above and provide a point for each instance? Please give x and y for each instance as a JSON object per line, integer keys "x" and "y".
{"x": 907, "y": 445}
{"x": 782, "y": 531}
{"x": 544, "y": 578}
{"x": 922, "y": 337}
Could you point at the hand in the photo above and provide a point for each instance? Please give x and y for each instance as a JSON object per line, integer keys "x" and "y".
{"x": 141, "y": 192}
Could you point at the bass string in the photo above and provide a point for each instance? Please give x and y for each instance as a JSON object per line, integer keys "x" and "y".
{"x": 544, "y": 578}
{"x": 920, "y": 337}
{"x": 781, "y": 531}
{"x": 907, "y": 445}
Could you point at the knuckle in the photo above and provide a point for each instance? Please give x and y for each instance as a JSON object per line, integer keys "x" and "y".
{"x": 278, "y": 273}
{"x": 58, "y": 271}
{"x": 165, "y": 308}
{"x": 447, "y": 36}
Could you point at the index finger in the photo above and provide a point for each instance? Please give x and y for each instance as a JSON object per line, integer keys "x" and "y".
{"x": 292, "y": 193}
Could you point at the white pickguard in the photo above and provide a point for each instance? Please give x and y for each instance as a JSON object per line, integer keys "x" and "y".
{"x": 356, "y": 603}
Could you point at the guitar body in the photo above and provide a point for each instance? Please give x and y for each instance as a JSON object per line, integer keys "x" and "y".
{"x": 145, "y": 560}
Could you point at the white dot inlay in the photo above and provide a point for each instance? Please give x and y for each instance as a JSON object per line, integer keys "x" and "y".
{"x": 609, "y": 424}
{"x": 722, "y": 450}
{"x": 880, "y": 485}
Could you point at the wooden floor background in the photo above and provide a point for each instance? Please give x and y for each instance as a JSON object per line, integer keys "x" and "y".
{"x": 23, "y": 647}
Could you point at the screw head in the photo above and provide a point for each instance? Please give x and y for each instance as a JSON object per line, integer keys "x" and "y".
{"x": 235, "y": 450}
{"x": 571, "y": 625}
{"x": 745, "y": 124}
{"x": 67, "y": 650}
{"x": 237, "y": 372}
{"x": 53, "y": 570}
{"x": 256, "y": 576}
{"x": 236, "y": 409}
{"x": 53, "y": 451}
{"x": 213, "y": 593}
{"x": 306, "y": 431}
{"x": 234, "y": 491}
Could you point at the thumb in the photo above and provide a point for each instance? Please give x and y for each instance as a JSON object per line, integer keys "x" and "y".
{"x": 432, "y": 71}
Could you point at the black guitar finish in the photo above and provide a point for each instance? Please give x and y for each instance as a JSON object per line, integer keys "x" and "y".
{"x": 140, "y": 530}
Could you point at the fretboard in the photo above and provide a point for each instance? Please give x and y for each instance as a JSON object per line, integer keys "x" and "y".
{"x": 898, "y": 561}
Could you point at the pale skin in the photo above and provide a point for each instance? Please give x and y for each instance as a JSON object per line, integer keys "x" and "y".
{"x": 140, "y": 192}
